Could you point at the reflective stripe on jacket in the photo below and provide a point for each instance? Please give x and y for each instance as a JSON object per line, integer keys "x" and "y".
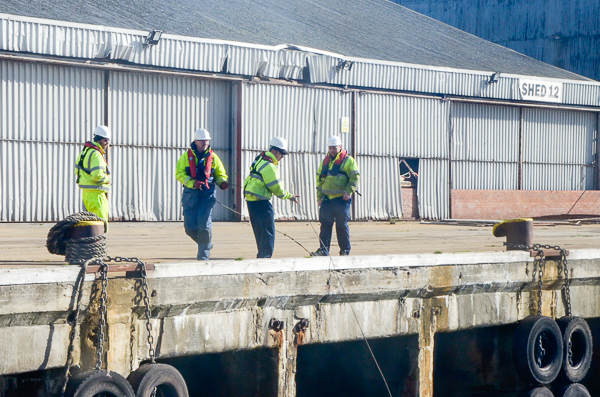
{"x": 217, "y": 170}
{"x": 345, "y": 181}
{"x": 263, "y": 181}
{"x": 93, "y": 173}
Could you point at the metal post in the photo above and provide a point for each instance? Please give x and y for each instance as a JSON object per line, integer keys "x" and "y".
{"x": 238, "y": 152}
{"x": 520, "y": 170}
{"x": 597, "y": 151}
{"x": 354, "y": 143}
{"x": 450, "y": 143}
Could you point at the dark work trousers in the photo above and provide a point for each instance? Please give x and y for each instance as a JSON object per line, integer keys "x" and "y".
{"x": 262, "y": 218}
{"x": 338, "y": 211}
{"x": 197, "y": 218}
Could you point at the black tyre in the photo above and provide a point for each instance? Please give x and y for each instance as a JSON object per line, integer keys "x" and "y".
{"x": 165, "y": 378}
{"x": 538, "y": 349}
{"x": 576, "y": 333}
{"x": 576, "y": 390}
{"x": 93, "y": 383}
{"x": 538, "y": 392}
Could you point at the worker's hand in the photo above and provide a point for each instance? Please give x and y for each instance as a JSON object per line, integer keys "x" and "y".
{"x": 198, "y": 185}
{"x": 224, "y": 186}
{"x": 319, "y": 202}
{"x": 347, "y": 196}
{"x": 295, "y": 198}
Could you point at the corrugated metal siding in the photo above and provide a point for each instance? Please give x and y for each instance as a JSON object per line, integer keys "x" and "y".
{"x": 401, "y": 126}
{"x": 40, "y": 190}
{"x": 153, "y": 119}
{"x": 485, "y": 146}
{"x": 485, "y": 133}
{"x": 21, "y": 34}
{"x": 485, "y": 175}
{"x": 298, "y": 173}
{"x": 557, "y": 177}
{"x": 432, "y": 189}
{"x": 558, "y": 136}
{"x": 304, "y": 116}
{"x": 45, "y": 112}
{"x": 49, "y": 103}
{"x": 380, "y": 188}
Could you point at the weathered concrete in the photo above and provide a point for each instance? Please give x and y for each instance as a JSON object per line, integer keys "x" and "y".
{"x": 214, "y": 307}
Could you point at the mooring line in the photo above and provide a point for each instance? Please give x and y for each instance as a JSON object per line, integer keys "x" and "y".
{"x": 249, "y": 224}
{"x": 331, "y": 266}
{"x": 349, "y": 303}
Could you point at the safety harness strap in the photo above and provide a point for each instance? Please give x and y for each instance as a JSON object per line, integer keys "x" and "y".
{"x": 335, "y": 169}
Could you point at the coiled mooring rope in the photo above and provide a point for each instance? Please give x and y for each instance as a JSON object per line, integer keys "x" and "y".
{"x": 76, "y": 250}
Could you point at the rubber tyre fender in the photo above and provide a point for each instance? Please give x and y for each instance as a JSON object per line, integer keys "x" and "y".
{"x": 576, "y": 330}
{"x": 538, "y": 392}
{"x": 525, "y": 345}
{"x": 576, "y": 390}
{"x": 92, "y": 383}
{"x": 169, "y": 381}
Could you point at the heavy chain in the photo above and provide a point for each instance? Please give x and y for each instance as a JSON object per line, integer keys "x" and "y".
{"x": 102, "y": 310}
{"x": 146, "y": 298}
{"x": 541, "y": 263}
{"x": 565, "y": 265}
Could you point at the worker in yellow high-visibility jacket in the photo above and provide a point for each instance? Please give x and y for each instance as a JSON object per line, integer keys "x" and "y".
{"x": 199, "y": 170}
{"x": 92, "y": 174}
{"x": 262, "y": 183}
{"x": 337, "y": 181}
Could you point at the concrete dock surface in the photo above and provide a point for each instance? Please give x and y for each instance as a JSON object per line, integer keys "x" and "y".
{"x": 156, "y": 242}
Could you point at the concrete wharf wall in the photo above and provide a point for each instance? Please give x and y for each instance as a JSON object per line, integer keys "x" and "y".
{"x": 225, "y": 306}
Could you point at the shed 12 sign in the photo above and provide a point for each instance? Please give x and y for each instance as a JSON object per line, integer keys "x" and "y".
{"x": 539, "y": 90}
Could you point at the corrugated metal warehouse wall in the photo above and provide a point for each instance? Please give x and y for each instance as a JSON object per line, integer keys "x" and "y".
{"x": 391, "y": 127}
{"x": 485, "y": 146}
{"x": 153, "y": 118}
{"x": 562, "y": 33}
{"x": 45, "y": 113}
{"x": 305, "y": 117}
{"x": 559, "y": 149}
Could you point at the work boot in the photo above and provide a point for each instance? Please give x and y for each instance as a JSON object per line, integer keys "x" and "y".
{"x": 319, "y": 252}
{"x": 344, "y": 252}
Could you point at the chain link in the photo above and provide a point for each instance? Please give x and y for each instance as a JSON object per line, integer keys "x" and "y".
{"x": 541, "y": 351}
{"x": 146, "y": 298}
{"x": 565, "y": 265}
{"x": 102, "y": 310}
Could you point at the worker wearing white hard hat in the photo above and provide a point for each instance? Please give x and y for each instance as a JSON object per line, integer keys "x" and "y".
{"x": 260, "y": 185}
{"x": 199, "y": 170}
{"x": 337, "y": 181}
{"x": 92, "y": 174}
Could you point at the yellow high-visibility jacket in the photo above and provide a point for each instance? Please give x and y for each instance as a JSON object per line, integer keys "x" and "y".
{"x": 183, "y": 175}
{"x": 335, "y": 183}
{"x": 91, "y": 168}
{"x": 263, "y": 181}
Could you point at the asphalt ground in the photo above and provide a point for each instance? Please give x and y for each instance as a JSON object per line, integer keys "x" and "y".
{"x": 154, "y": 242}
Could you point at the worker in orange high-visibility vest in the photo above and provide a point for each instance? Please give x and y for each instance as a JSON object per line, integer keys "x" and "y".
{"x": 199, "y": 170}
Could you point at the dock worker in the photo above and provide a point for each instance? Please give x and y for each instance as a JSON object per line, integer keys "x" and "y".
{"x": 337, "y": 181}
{"x": 260, "y": 185}
{"x": 92, "y": 174}
{"x": 199, "y": 170}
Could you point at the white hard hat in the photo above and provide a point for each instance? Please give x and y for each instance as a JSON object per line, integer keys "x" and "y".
{"x": 280, "y": 144}
{"x": 201, "y": 135}
{"x": 102, "y": 131}
{"x": 334, "y": 140}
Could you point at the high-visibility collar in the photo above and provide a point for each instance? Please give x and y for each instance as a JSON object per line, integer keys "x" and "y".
{"x": 270, "y": 157}
{"x": 207, "y": 156}
{"x": 96, "y": 146}
{"x": 335, "y": 169}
